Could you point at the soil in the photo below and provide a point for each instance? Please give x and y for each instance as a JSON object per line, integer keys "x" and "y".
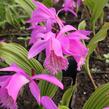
{"x": 85, "y": 88}
{"x": 99, "y": 65}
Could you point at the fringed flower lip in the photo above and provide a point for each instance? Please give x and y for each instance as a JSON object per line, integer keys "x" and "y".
{"x": 11, "y": 85}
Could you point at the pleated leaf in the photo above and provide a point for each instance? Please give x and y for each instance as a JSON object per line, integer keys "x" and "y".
{"x": 47, "y": 88}
{"x": 15, "y": 53}
{"x": 27, "y": 5}
{"x": 99, "y": 99}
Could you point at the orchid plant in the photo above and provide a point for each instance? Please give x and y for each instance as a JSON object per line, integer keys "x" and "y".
{"x": 51, "y": 36}
{"x": 59, "y": 41}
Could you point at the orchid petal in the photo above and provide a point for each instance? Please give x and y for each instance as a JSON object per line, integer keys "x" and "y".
{"x": 36, "y": 33}
{"x": 79, "y": 34}
{"x": 65, "y": 29}
{"x": 43, "y": 8}
{"x": 68, "y": 3}
{"x": 6, "y": 100}
{"x": 65, "y": 42}
{"x": 78, "y": 51}
{"x": 55, "y": 64}
{"x": 4, "y": 80}
{"x": 48, "y": 103}
{"x": 49, "y": 78}
{"x": 37, "y": 48}
{"x": 84, "y": 32}
{"x": 55, "y": 61}
{"x": 16, "y": 82}
{"x": 56, "y": 47}
{"x": 35, "y": 91}
{"x": 12, "y": 68}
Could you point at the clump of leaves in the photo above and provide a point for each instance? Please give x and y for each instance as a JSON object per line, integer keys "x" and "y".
{"x": 15, "y": 12}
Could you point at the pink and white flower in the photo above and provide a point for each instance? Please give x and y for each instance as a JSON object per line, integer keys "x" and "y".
{"x": 66, "y": 42}
{"x": 11, "y": 85}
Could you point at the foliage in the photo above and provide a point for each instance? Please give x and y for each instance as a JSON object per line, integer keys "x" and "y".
{"x": 68, "y": 95}
{"x": 48, "y": 3}
{"x": 99, "y": 99}
{"x": 49, "y": 89}
{"x": 99, "y": 36}
{"x": 27, "y": 5}
{"x": 15, "y": 53}
{"x": 96, "y": 9}
{"x": 82, "y": 25}
{"x": 63, "y": 107}
{"x": 15, "y": 12}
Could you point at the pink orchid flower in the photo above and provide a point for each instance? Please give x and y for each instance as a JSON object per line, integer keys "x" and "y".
{"x": 72, "y": 45}
{"x": 106, "y": 108}
{"x": 44, "y": 15}
{"x": 58, "y": 45}
{"x": 36, "y": 32}
{"x": 55, "y": 61}
{"x": 11, "y": 85}
{"x": 70, "y": 5}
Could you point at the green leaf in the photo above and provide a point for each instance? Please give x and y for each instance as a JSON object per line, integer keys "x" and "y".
{"x": 15, "y": 53}
{"x": 47, "y": 88}
{"x": 90, "y": 4}
{"x": 9, "y": 17}
{"x": 68, "y": 95}
{"x": 27, "y": 5}
{"x": 101, "y": 35}
{"x": 98, "y": 9}
{"x": 63, "y": 107}
{"x": 82, "y": 25}
{"x": 99, "y": 99}
{"x": 48, "y": 3}
{"x": 12, "y": 16}
{"x": 2, "y": 12}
